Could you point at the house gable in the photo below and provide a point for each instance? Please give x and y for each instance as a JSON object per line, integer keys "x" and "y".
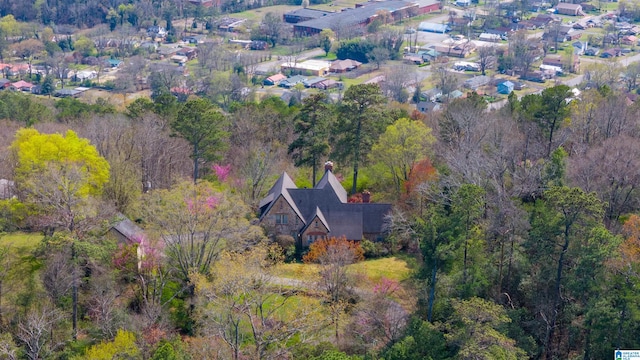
{"x": 316, "y": 229}
{"x": 319, "y": 212}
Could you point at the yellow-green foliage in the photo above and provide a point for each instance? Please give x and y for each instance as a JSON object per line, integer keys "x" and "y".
{"x": 122, "y": 347}
{"x": 393, "y": 268}
{"x": 38, "y": 152}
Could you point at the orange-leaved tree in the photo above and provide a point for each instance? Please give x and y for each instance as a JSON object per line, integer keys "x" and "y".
{"x": 332, "y": 250}
{"x": 333, "y": 255}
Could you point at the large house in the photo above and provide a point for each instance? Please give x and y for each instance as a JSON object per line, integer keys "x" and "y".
{"x": 308, "y": 215}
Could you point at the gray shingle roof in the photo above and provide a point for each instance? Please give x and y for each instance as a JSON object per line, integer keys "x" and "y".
{"x": 350, "y": 17}
{"x": 127, "y": 228}
{"x": 328, "y": 202}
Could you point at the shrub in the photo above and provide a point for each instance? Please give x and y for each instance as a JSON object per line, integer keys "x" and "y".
{"x": 321, "y": 249}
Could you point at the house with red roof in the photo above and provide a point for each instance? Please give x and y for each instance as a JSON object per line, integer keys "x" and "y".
{"x": 22, "y": 86}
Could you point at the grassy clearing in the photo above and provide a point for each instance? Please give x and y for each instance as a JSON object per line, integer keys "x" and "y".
{"x": 398, "y": 268}
{"x": 21, "y": 240}
{"x": 393, "y": 268}
{"x": 258, "y": 14}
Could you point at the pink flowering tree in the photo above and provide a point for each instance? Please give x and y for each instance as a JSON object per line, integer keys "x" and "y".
{"x": 222, "y": 171}
{"x": 380, "y": 319}
{"x": 195, "y": 223}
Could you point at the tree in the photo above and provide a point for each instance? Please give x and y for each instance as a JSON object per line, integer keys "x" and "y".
{"x": 523, "y": 52}
{"x": 273, "y": 28}
{"x": 203, "y": 126}
{"x": 334, "y": 255}
{"x": 86, "y": 46}
{"x": 123, "y": 346}
{"x": 34, "y": 331}
{"x": 244, "y": 306}
{"x": 566, "y": 218}
{"x": 360, "y": 122}
{"x": 48, "y": 86}
{"x": 445, "y": 80}
{"x": 196, "y": 222}
{"x": 58, "y": 174}
{"x": 326, "y": 39}
{"x": 28, "y": 49}
{"x": 548, "y": 110}
{"x": 402, "y": 145}
{"x": 477, "y": 334}
{"x": 312, "y": 126}
{"x": 379, "y": 55}
{"x": 486, "y": 58}
{"x": 397, "y": 80}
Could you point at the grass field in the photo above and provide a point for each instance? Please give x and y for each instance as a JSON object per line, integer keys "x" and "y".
{"x": 21, "y": 240}
{"x": 395, "y": 268}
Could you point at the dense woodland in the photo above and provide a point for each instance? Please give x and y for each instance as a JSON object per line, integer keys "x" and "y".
{"x": 521, "y": 224}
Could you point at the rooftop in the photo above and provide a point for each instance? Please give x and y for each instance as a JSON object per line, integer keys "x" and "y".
{"x": 355, "y": 16}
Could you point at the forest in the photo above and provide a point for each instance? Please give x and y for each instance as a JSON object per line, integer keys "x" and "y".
{"x": 519, "y": 227}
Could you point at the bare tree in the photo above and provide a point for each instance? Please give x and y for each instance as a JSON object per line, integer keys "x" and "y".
{"x": 486, "y": 58}
{"x": 8, "y": 348}
{"x": 445, "y": 80}
{"x": 524, "y": 52}
{"x": 249, "y": 294}
{"x": 35, "y": 331}
{"x": 397, "y": 80}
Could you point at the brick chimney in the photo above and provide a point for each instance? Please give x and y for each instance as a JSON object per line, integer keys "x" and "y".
{"x": 366, "y": 196}
{"x": 328, "y": 166}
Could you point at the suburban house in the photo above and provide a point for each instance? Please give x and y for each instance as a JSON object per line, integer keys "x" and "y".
{"x": 22, "y": 86}
{"x": 308, "y": 215}
{"x": 505, "y": 87}
{"x": 327, "y": 84}
{"x": 428, "y": 106}
{"x": 274, "y": 79}
{"x": 477, "y": 82}
{"x": 571, "y": 65}
{"x": 569, "y": 9}
{"x": 125, "y": 231}
{"x": 292, "y": 81}
{"x": 341, "y": 66}
{"x": 460, "y": 50}
{"x": 4, "y": 84}
{"x": 156, "y": 32}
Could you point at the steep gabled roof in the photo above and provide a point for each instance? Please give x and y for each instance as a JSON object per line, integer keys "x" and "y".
{"x": 317, "y": 213}
{"x": 280, "y": 188}
{"x": 328, "y": 179}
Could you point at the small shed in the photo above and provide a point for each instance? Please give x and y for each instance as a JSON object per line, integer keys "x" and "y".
{"x": 505, "y": 87}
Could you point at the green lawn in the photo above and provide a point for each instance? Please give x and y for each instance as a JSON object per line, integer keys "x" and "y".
{"x": 394, "y": 268}
{"x": 258, "y": 14}
{"x": 397, "y": 268}
{"x": 21, "y": 240}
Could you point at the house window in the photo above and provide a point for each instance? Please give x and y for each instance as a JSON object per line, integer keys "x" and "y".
{"x": 282, "y": 219}
{"x": 310, "y": 239}
{"x": 316, "y": 223}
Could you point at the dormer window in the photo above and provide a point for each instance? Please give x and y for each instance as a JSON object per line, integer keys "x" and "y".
{"x": 316, "y": 223}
